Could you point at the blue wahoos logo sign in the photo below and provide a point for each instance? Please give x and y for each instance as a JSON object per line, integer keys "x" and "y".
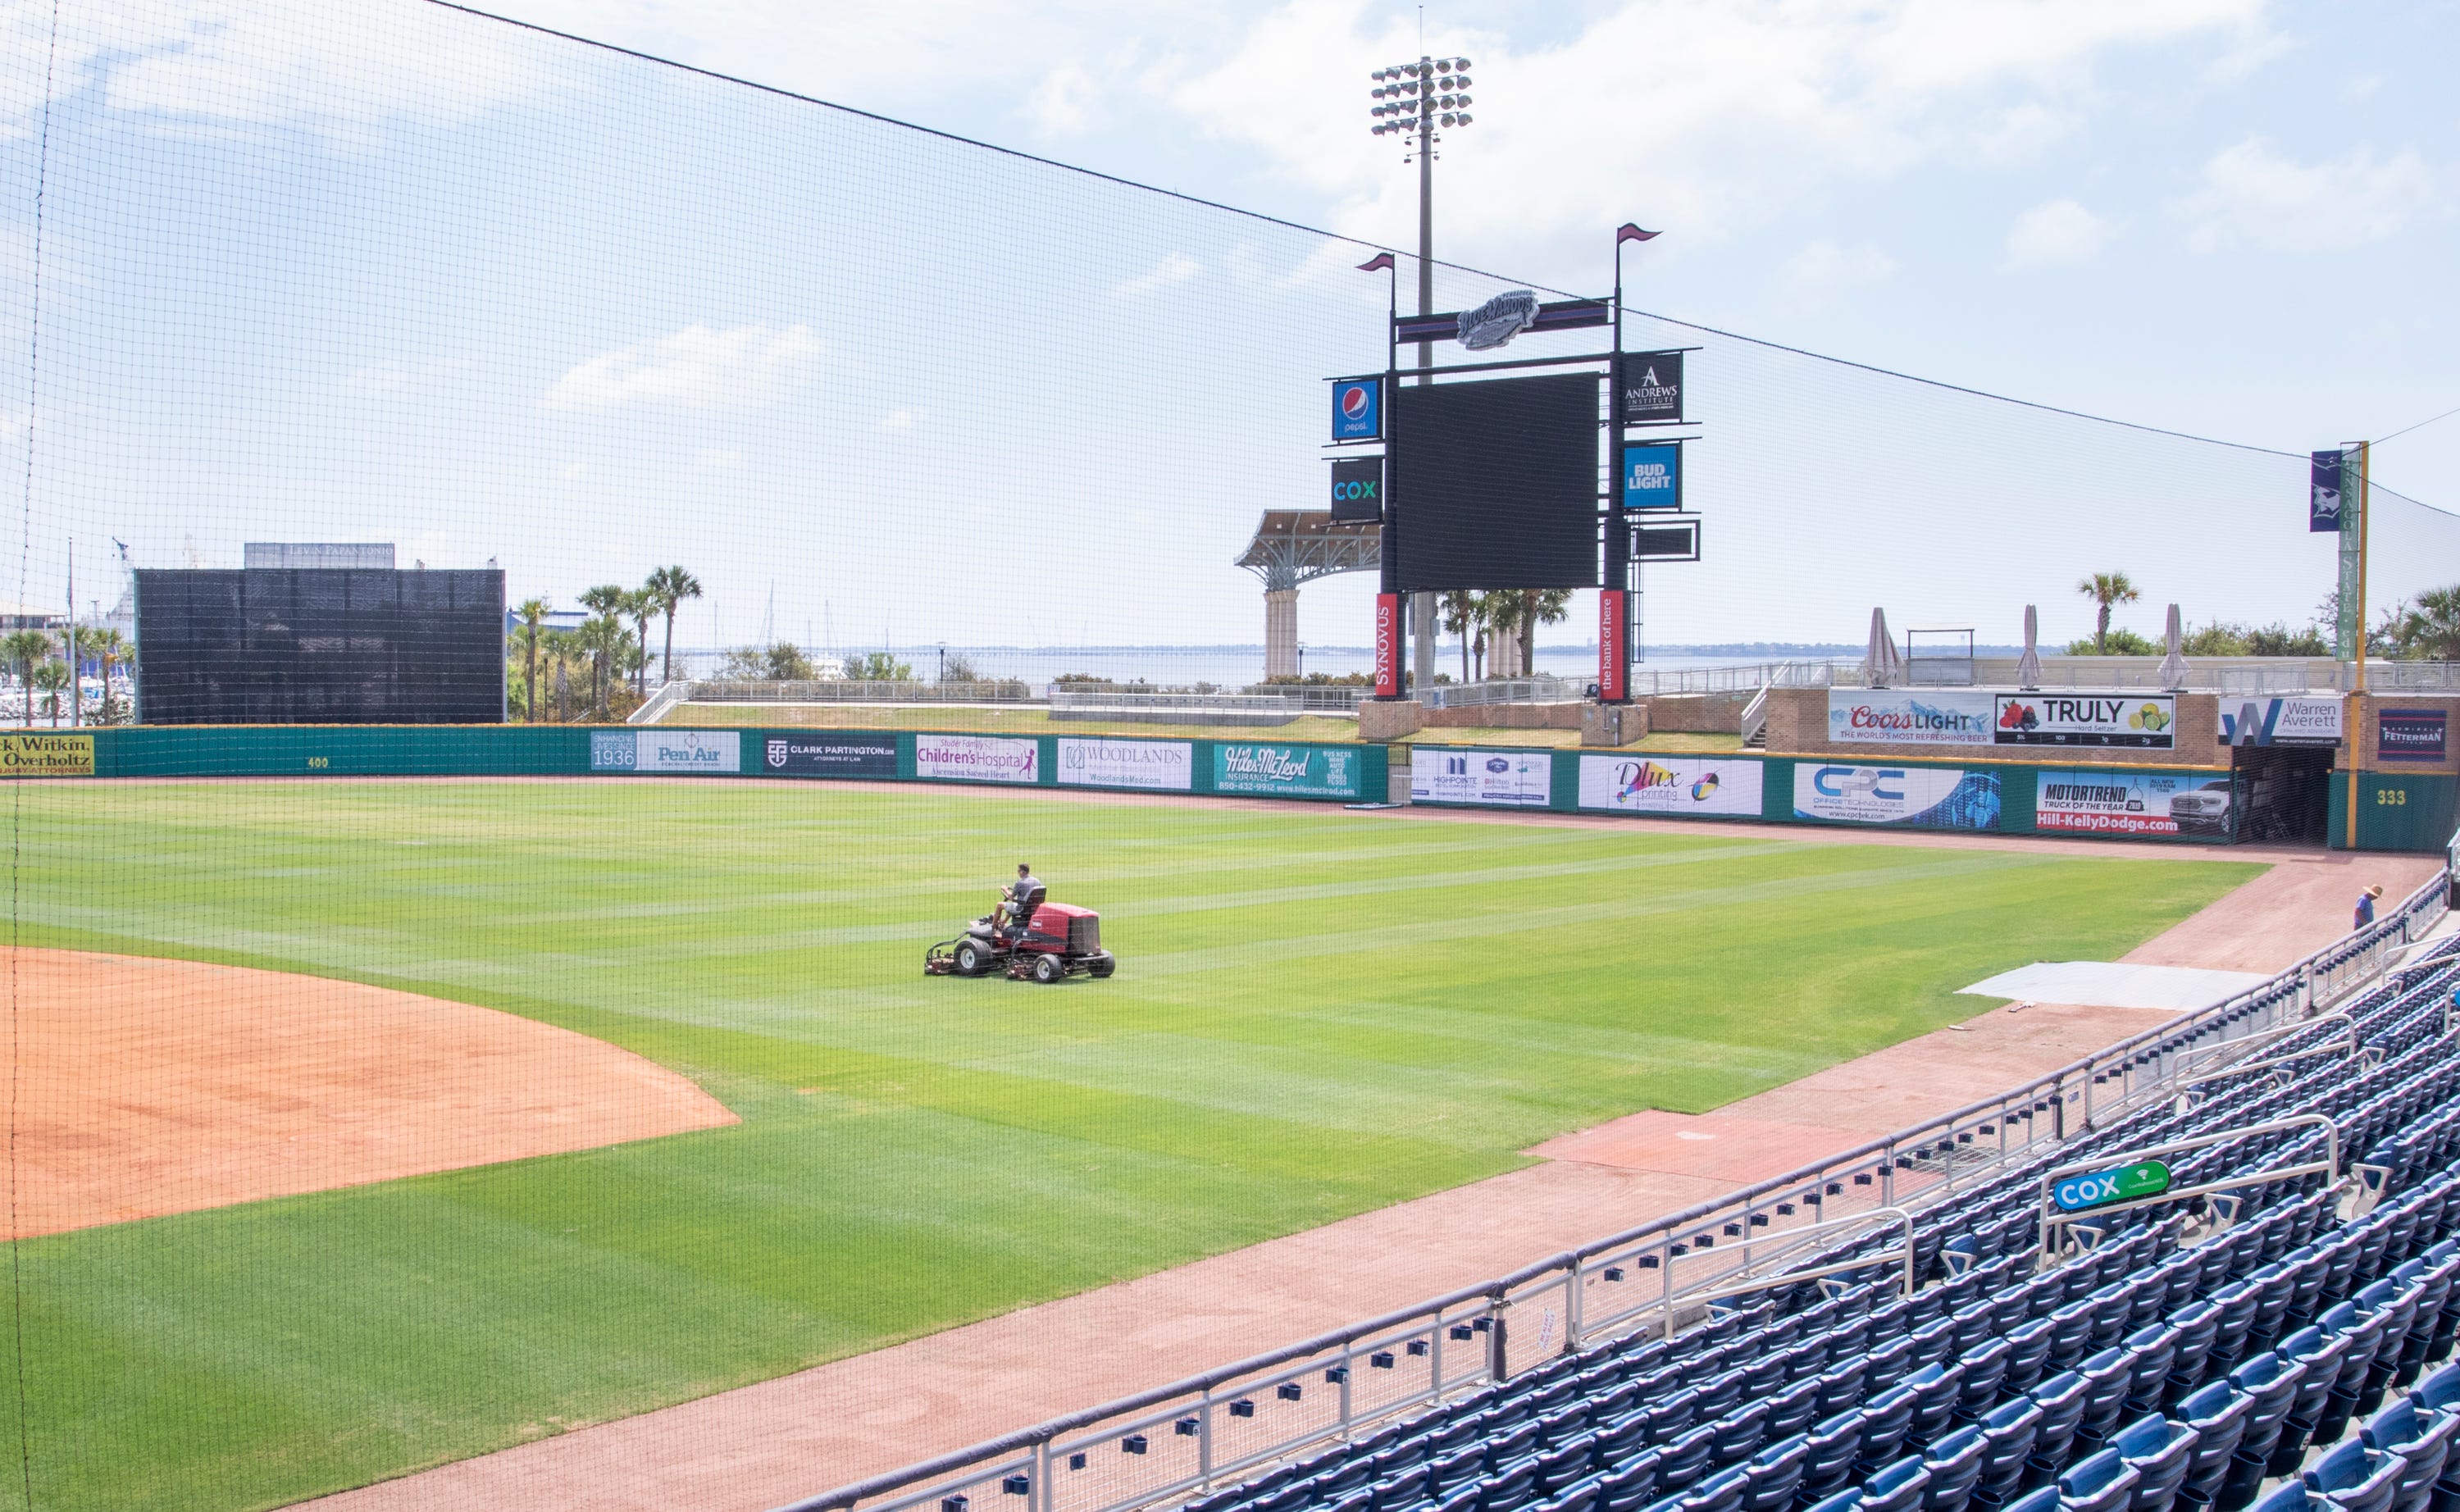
{"x": 1652, "y": 474}
{"x": 1358, "y": 410}
{"x": 2119, "y": 1184}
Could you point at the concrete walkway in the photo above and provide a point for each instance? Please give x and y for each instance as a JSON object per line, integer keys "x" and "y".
{"x": 764, "y": 1445}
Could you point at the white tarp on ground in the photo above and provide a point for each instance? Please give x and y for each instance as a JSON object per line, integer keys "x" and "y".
{"x": 2114, "y": 984}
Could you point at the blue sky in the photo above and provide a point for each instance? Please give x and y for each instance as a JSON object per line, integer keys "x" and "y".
{"x": 383, "y": 270}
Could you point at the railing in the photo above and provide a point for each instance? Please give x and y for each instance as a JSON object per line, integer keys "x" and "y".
{"x": 1266, "y": 700}
{"x": 1502, "y": 691}
{"x": 1648, "y": 682}
{"x": 850, "y": 691}
{"x": 669, "y": 696}
{"x": 1755, "y": 714}
{"x": 1158, "y": 1444}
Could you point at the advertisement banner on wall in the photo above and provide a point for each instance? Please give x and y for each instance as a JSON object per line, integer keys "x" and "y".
{"x": 2409, "y": 735}
{"x": 2145, "y": 721}
{"x": 977, "y": 758}
{"x": 666, "y": 751}
{"x": 45, "y": 756}
{"x": 1387, "y": 646}
{"x": 1279, "y": 770}
{"x": 2111, "y": 801}
{"x": 1512, "y": 779}
{"x": 829, "y": 754}
{"x": 2281, "y": 722}
{"x": 1161, "y": 766}
{"x": 1914, "y": 797}
{"x": 1909, "y": 716}
{"x": 1705, "y": 787}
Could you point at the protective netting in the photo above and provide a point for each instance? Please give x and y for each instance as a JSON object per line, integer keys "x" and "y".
{"x": 395, "y": 273}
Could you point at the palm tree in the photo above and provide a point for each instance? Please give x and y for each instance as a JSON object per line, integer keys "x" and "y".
{"x": 2431, "y": 628}
{"x": 2106, "y": 590}
{"x": 672, "y": 586}
{"x": 23, "y": 648}
{"x": 603, "y": 639}
{"x": 533, "y": 613}
{"x": 639, "y": 606}
{"x": 106, "y": 646}
{"x": 563, "y": 650}
{"x": 50, "y": 677}
{"x": 1459, "y": 608}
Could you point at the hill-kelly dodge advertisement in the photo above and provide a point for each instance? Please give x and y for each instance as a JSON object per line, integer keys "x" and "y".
{"x": 1719, "y": 787}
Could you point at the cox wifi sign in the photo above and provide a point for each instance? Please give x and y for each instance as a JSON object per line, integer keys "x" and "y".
{"x": 2119, "y": 1184}
{"x": 1357, "y": 490}
{"x": 1357, "y": 409}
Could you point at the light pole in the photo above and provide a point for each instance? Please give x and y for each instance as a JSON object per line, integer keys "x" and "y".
{"x": 1411, "y": 100}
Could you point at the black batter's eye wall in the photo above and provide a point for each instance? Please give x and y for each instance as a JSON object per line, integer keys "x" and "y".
{"x": 320, "y": 646}
{"x": 1495, "y": 485}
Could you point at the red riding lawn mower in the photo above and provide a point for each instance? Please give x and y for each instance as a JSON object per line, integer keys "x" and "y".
{"x": 1056, "y": 940}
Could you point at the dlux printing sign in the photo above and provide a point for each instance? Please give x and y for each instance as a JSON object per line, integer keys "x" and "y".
{"x": 1512, "y": 779}
{"x": 1159, "y": 765}
{"x": 1722, "y": 787}
{"x": 1912, "y": 797}
{"x": 1901, "y": 717}
{"x": 2281, "y": 722}
{"x": 977, "y": 758}
{"x": 830, "y": 756}
{"x": 2116, "y": 802}
{"x": 2144, "y": 720}
{"x": 1286, "y": 771}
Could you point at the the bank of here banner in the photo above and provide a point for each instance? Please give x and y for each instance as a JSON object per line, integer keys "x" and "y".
{"x": 1705, "y": 787}
{"x": 1453, "y": 775}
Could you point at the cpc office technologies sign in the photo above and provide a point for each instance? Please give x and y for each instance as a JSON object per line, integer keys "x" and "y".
{"x": 1358, "y": 410}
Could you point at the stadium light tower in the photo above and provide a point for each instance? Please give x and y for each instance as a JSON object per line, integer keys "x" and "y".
{"x": 1411, "y": 99}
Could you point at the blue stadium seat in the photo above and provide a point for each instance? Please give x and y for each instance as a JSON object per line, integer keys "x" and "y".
{"x": 1739, "y": 1434}
{"x": 2199, "y": 1327}
{"x": 1984, "y": 1366}
{"x": 2355, "y": 1479}
{"x": 1580, "y": 1496}
{"x": 1685, "y": 1460}
{"x": 1633, "y": 1486}
{"x": 2028, "y": 1354}
{"x": 2042, "y": 1499}
{"x": 1793, "y": 1410}
{"x": 2322, "y": 1354}
{"x": 2101, "y": 1482}
{"x": 1406, "y": 1487}
{"x": 2158, "y": 1451}
{"x": 2292, "y": 1497}
{"x": 2062, "y": 1399}
{"x": 1849, "y": 1499}
{"x": 2153, "y": 1346}
{"x": 1935, "y": 1390}
{"x": 1776, "y": 1475}
{"x": 1511, "y": 1487}
{"x": 1897, "y": 1488}
{"x": 1956, "y": 1464}
{"x": 2217, "y": 1412}
{"x": 2421, "y": 1438}
{"x": 2106, "y": 1378}
{"x": 1722, "y": 1492}
{"x": 2008, "y": 1434}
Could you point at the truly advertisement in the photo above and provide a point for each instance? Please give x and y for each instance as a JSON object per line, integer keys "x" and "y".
{"x": 666, "y": 751}
{"x": 850, "y": 754}
{"x": 45, "y": 756}
{"x": 1511, "y": 778}
{"x": 1719, "y": 787}
{"x": 977, "y": 758}
{"x": 2146, "y": 721}
{"x": 1286, "y": 771}
{"x": 1163, "y": 766}
{"x": 1910, "y": 798}
{"x": 2115, "y": 801}
{"x": 1909, "y": 717}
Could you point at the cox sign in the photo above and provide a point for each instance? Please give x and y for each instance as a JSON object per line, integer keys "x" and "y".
{"x": 2122, "y": 1183}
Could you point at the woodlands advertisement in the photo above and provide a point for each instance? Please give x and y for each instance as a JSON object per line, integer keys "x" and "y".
{"x": 1166, "y": 766}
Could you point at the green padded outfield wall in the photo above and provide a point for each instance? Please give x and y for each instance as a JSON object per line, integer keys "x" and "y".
{"x": 2396, "y": 810}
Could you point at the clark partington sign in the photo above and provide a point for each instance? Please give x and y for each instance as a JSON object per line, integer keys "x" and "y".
{"x": 1166, "y": 766}
{"x": 2147, "y": 722}
{"x": 1908, "y": 717}
{"x": 977, "y": 758}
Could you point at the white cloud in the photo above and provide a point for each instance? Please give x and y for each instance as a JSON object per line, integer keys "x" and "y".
{"x": 2253, "y": 196}
{"x": 2059, "y": 231}
{"x": 694, "y": 367}
{"x": 1176, "y": 268}
{"x": 1822, "y": 270}
{"x": 1061, "y": 105}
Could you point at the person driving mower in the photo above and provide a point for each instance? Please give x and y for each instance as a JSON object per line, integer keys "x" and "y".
{"x": 1019, "y": 899}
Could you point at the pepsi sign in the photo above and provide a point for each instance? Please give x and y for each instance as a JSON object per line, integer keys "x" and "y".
{"x": 1357, "y": 490}
{"x": 1358, "y": 409}
{"x": 2119, "y": 1184}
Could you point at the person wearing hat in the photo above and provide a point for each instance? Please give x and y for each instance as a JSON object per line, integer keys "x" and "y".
{"x": 2367, "y": 906}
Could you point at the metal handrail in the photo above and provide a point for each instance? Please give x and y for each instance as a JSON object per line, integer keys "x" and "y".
{"x": 1921, "y": 1163}
{"x": 2052, "y": 1217}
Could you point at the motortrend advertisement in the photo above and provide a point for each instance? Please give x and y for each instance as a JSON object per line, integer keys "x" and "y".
{"x": 1702, "y": 787}
{"x": 1162, "y": 766}
{"x": 1910, "y": 798}
{"x": 829, "y": 754}
{"x": 1909, "y": 717}
{"x": 2114, "y": 803}
{"x": 2145, "y": 721}
{"x": 1511, "y": 778}
{"x": 976, "y": 759}
{"x": 1281, "y": 771}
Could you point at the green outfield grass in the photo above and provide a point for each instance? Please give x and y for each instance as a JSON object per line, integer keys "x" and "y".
{"x": 1317, "y": 1012}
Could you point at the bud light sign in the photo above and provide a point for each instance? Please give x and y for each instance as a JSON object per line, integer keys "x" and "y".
{"x": 1652, "y": 474}
{"x": 1358, "y": 409}
{"x": 2123, "y": 1183}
